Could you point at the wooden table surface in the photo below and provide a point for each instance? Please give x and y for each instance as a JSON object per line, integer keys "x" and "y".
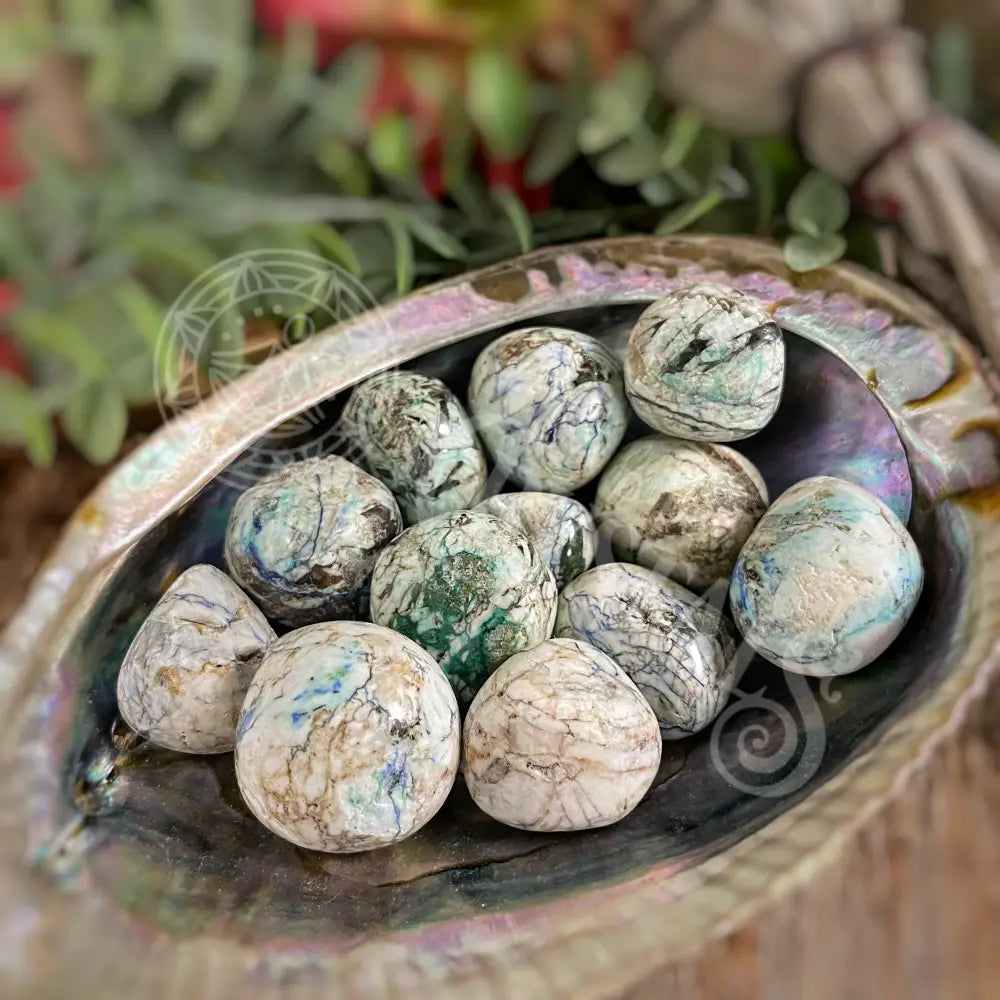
{"x": 912, "y": 909}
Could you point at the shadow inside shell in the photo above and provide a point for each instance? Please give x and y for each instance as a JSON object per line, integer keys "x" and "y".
{"x": 171, "y": 841}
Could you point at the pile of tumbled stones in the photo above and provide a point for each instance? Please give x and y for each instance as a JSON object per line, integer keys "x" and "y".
{"x": 348, "y": 729}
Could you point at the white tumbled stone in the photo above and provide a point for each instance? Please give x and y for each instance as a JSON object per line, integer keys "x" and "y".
{"x": 559, "y": 739}
{"x": 349, "y": 738}
{"x": 705, "y": 363}
{"x": 678, "y": 649}
{"x": 550, "y": 405}
{"x": 683, "y": 508}
{"x": 183, "y": 679}
{"x": 827, "y": 579}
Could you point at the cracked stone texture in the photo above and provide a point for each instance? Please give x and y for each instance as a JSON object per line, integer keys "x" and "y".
{"x": 183, "y": 679}
{"x": 827, "y": 579}
{"x": 304, "y": 539}
{"x": 349, "y": 738}
{"x": 550, "y": 405}
{"x": 705, "y": 363}
{"x": 469, "y": 589}
{"x": 560, "y": 528}
{"x": 679, "y": 650}
{"x": 683, "y": 508}
{"x": 559, "y": 739}
{"x": 414, "y": 435}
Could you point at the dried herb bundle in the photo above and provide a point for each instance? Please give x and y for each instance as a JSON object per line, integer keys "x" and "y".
{"x": 848, "y": 81}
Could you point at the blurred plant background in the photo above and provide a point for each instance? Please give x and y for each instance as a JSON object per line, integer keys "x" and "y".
{"x": 405, "y": 140}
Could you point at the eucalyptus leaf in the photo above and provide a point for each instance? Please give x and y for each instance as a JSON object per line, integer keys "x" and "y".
{"x": 684, "y": 128}
{"x": 343, "y": 164}
{"x": 433, "y": 236}
{"x": 207, "y": 114}
{"x": 22, "y": 421}
{"x": 134, "y": 378}
{"x": 143, "y": 311}
{"x": 95, "y": 421}
{"x": 556, "y": 146}
{"x": 159, "y": 244}
{"x": 657, "y": 190}
{"x": 807, "y": 253}
{"x": 497, "y": 99}
{"x": 517, "y": 215}
{"x": 707, "y": 157}
{"x": 150, "y": 67}
{"x": 402, "y": 246}
{"x": 337, "y": 104}
{"x": 819, "y": 206}
{"x": 49, "y": 332}
{"x": 631, "y": 161}
{"x": 689, "y": 213}
{"x": 390, "y": 146}
{"x": 284, "y": 91}
{"x": 763, "y": 182}
{"x": 457, "y": 144}
{"x": 335, "y": 247}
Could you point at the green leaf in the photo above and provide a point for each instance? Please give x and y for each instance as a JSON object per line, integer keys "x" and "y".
{"x": 95, "y": 421}
{"x": 689, "y": 213}
{"x": 142, "y": 310}
{"x": 556, "y": 146}
{"x": 158, "y": 244}
{"x": 288, "y": 87}
{"x": 337, "y": 105}
{"x": 433, "y": 236}
{"x": 205, "y": 116}
{"x": 402, "y": 246}
{"x": 335, "y": 247}
{"x": 343, "y": 164}
{"x": 657, "y": 191}
{"x": 617, "y": 104}
{"x": 391, "y": 146}
{"x": 763, "y": 182}
{"x": 952, "y": 68}
{"x": 497, "y": 98}
{"x": 457, "y": 143}
{"x": 517, "y": 216}
{"x": 807, "y": 253}
{"x": 555, "y": 149}
{"x": 705, "y": 163}
{"x": 819, "y": 206}
{"x": 20, "y": 258}
{"x": 48, "y": 332}
{"x": 149, "y": 63}
{"x": 631, "y": 161}
{"x": 22, "y": 421}
{"x": 133, "y": 377}
{"x": 684, "y": 128}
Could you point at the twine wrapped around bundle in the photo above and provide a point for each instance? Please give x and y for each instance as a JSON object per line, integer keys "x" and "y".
{"x": 848, "y": 81}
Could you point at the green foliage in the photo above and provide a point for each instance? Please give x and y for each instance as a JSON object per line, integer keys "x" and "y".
{"x": 95, "y": 419}
{"x": 498, "y": 100}
{"x": 213, "y": 141}
{"x": 817, "y": 210}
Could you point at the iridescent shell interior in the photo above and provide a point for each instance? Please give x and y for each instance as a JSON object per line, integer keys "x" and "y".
{"x": 172, "y": 845}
